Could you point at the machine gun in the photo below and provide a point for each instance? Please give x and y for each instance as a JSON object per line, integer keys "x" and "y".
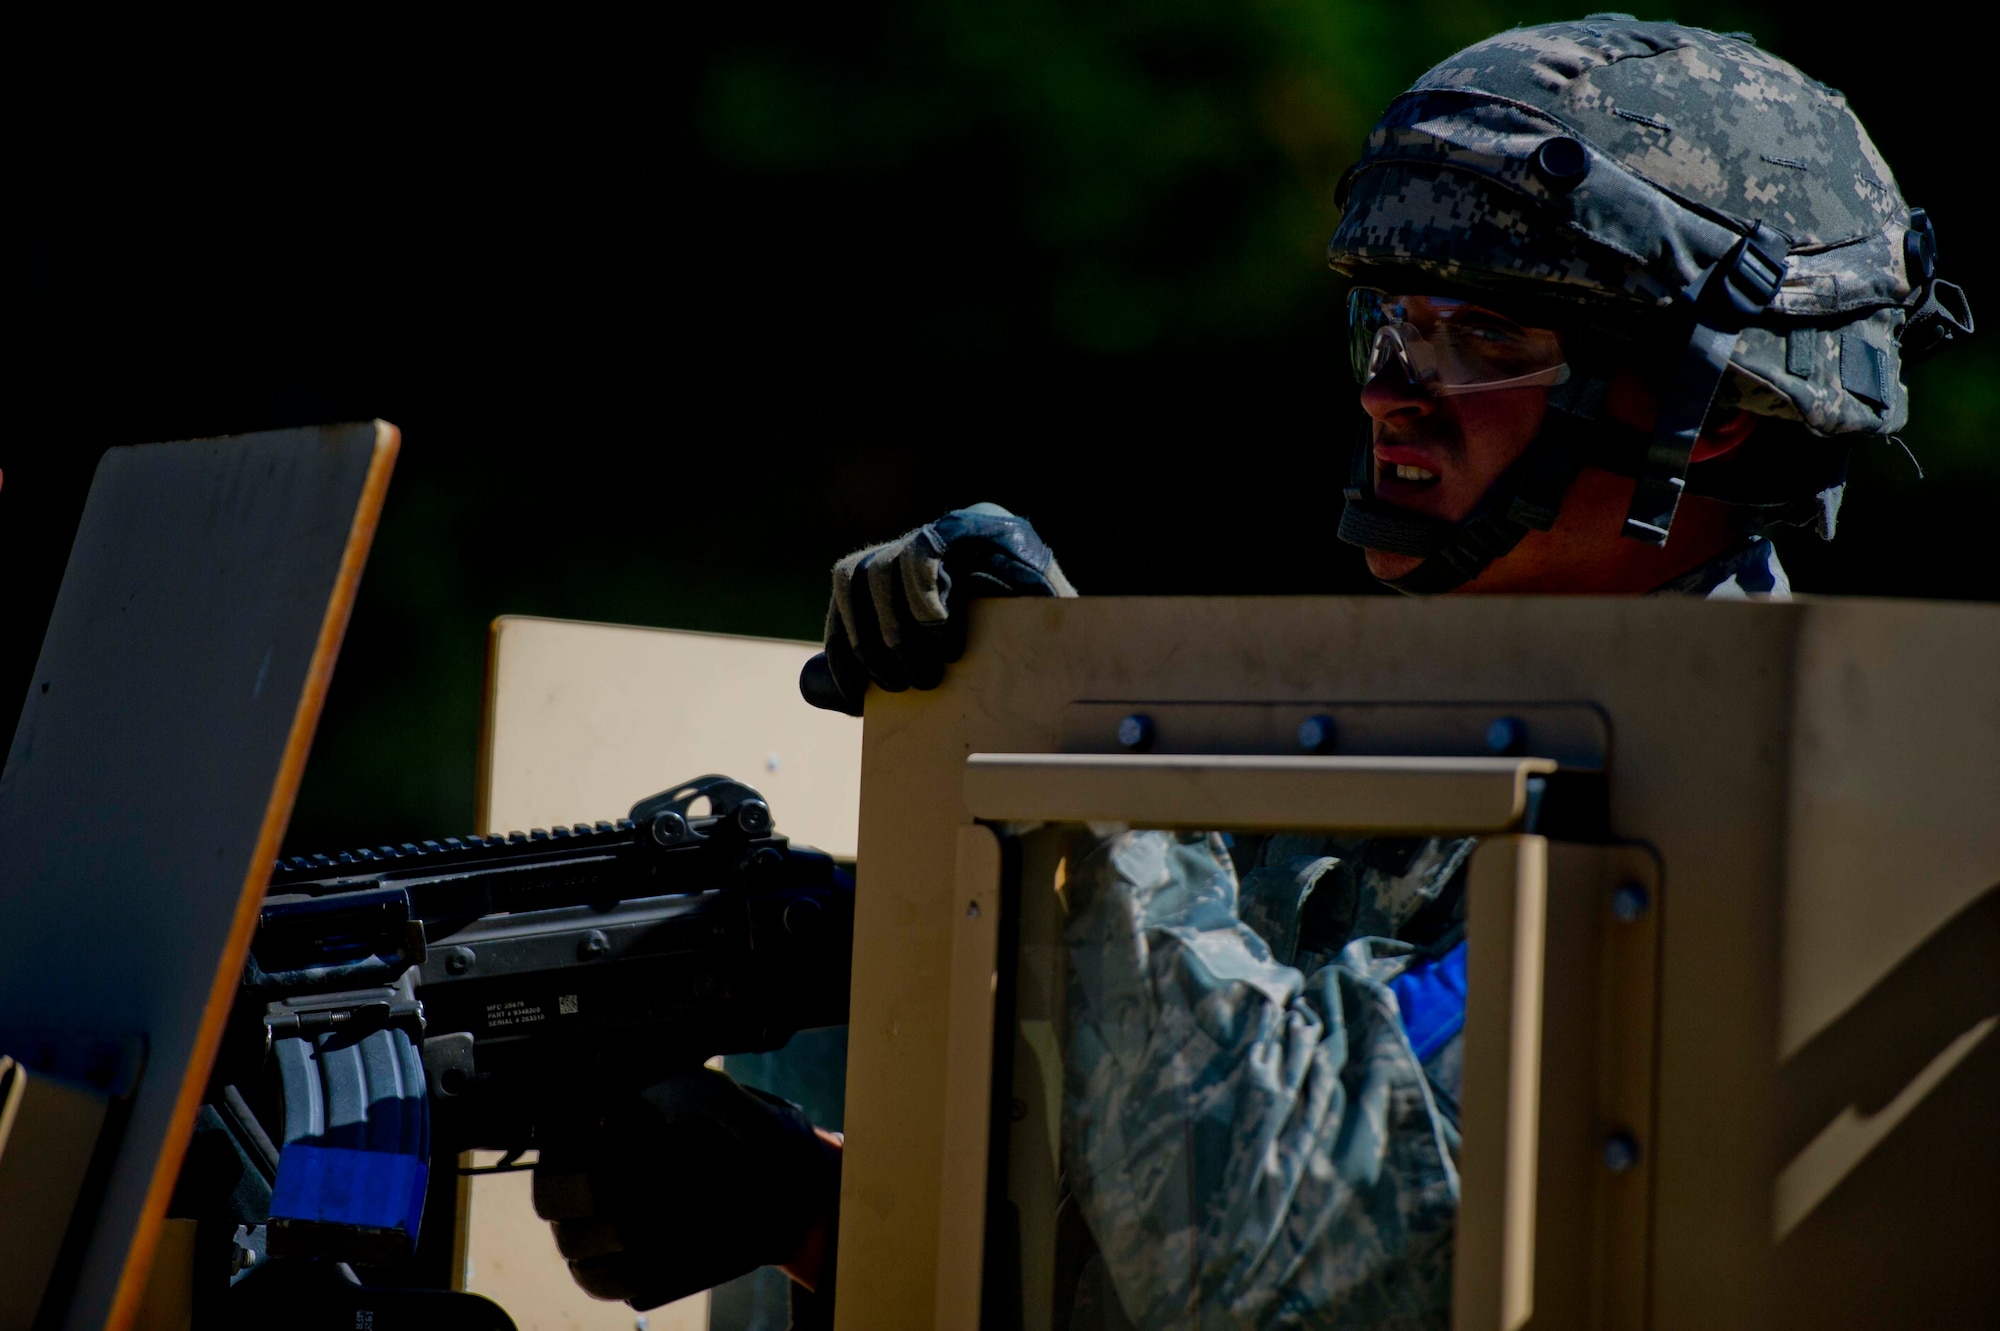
{"x": 406, "y": 1003}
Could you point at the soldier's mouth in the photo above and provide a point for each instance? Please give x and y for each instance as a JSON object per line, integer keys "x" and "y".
{"x": 1407, "y": 471}
{"x": 1404, "y": 476}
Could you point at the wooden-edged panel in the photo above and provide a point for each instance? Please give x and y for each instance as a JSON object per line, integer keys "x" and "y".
{"x": 154, "y": 767}
{"x": 584, "y": 720}
{"x": 48, "y": 1132}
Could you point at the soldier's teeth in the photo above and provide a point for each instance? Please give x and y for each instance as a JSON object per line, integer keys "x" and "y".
{"x": 1405, "y": 472}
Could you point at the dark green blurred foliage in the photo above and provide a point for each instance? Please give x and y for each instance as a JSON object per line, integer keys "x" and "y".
{"x": 1098, "y": 180}
{"x": 672, "y": 316}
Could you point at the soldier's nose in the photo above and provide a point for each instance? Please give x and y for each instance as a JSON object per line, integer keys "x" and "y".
{"x": 1391, "y": 394}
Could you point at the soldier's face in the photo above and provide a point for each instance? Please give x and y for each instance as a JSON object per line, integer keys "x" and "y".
{"x": 1440, "y": 439}
{"x": 1438, "y": 455}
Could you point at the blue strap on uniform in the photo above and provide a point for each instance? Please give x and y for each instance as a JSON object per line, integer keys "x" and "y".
{"x": 1431, "y": 996}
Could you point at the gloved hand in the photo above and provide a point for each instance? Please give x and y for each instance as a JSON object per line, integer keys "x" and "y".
{"x": 691, "y": 1182}
{"x": 897, "y": 616}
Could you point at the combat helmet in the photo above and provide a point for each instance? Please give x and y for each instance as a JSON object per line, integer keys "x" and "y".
{"x": 1681, "y": 194}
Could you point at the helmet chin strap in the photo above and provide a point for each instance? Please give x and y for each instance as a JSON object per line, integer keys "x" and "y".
{"x": 1525, "y": 498}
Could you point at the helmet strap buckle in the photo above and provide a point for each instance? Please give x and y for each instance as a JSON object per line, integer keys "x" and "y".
{"x": 1728, "y": 296}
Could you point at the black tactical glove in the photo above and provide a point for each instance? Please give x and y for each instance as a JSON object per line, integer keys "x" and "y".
{"x": 897, "y": 618}
{"x": 691, "y": 1182}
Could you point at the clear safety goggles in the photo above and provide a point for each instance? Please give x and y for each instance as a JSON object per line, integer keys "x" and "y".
{"x": 1446, "y": 346}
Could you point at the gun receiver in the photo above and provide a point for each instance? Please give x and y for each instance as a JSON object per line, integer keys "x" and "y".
{"x": 406, "y": 1003}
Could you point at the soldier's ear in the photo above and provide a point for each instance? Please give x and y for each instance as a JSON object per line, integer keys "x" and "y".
{"x": 1723, "y": 433}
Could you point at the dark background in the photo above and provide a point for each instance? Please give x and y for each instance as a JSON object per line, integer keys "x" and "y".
{"x": 671, "y": 316}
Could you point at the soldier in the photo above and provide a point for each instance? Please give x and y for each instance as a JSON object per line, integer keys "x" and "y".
{"x": 1622, "y": 295}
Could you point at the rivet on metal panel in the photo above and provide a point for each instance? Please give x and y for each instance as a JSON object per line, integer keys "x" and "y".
{"x": 458, "y": 961}
{"x": 1621, "y": 1152}
{"x": 1507, "y": 736}
{"x": 1136, "y": 732}
{"x": 1630, "y": 901}
{"x": 1317, "y": 733}
{"x": 593, "y": 944}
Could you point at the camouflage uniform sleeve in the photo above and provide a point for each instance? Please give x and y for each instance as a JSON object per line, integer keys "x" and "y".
{"x": 1252, "y": 1147}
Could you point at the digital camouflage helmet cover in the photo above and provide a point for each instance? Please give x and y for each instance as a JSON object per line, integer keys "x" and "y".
{"x": 1691, "y": 200}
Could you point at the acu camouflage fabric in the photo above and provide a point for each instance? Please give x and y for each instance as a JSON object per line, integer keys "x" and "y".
{"x": 1688, "y": 139}
{"x": 1249, "y": 1136}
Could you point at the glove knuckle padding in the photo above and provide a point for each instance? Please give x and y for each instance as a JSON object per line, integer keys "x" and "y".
{"x": 905, "y": 623}
{"x": 925, "y": 583}
{"x": 1000, "y": 556}
{"x": 885, "y": 575}
{"x": 844, "y": 572}
{"x": 921, "y": 641}
{"x": 865, "y": 629}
